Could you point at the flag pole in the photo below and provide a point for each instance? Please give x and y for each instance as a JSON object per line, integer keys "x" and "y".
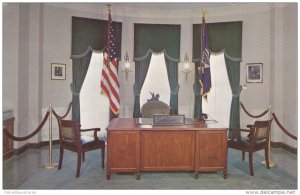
{"x": 109, "y": 8}
{"x": 203, "y": 12}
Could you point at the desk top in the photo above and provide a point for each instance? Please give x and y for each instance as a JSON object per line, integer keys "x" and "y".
{"x": 132, "y": 124}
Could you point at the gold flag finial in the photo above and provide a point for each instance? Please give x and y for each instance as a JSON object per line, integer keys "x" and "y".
{"x": 203, "y": 12}
{"x": 109, "y": 7}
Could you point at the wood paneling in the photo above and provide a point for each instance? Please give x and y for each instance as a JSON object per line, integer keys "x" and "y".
{"x": 167, "y": 150}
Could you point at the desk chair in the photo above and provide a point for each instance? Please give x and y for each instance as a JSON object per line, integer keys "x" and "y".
{"x": 70, "y": 138}
{"x": 154, "y": 107}
{"x": 257, "y": 139}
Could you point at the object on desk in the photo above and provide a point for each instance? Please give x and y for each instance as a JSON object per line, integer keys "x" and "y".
{"x": 202, "y": 117}
{"x": 163, "y": 119}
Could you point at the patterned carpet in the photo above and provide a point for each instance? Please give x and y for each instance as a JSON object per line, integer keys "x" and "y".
{"x": 25, "y": 172}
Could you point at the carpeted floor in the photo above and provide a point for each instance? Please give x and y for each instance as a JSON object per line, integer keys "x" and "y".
{"x": 25, "y": 172}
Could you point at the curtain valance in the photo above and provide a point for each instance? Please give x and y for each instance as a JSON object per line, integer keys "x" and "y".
{"x": 157, "y": 37}
{"x": 90, "y": 33}
{"x": 150, "y": 51}
{"x": 222, "y": 37}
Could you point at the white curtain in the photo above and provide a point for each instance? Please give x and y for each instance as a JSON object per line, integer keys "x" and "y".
{"x": 156, "y": 80}
{"x": 218, "y": 102}
{"x": 94, "y": 106}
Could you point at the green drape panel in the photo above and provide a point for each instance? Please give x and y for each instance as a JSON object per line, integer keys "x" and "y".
{"x": 88, "y": 35}
{"x": 156, "y": 37}
{"x": 80, "y": 67}
{"x": 233, "y": 71}
{"x": 197, "y": 94}
{"x": 141, "y": 69}
{"x": 87, "y": 32}
{"x": 172, "y": 69}
{"x": 227, "y": 37}
{"x": 221, "y": 36}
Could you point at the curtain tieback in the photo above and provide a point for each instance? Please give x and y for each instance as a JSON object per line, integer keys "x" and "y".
{"x": 175, "y": 90}
{"x": 73, "y": 90}
{"x": 236, "y": 95}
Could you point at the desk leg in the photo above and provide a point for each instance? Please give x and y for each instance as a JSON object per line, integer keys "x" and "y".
{"x": 107, "y": 175}
{"x": 225, "y": 174}
{"x": 196, "y": 175}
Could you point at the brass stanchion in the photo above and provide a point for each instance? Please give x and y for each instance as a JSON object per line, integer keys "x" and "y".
{"x": 271, "y": 163}
{"x": 50, "y": 165}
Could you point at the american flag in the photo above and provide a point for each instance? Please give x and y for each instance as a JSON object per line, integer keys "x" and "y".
{"x": 110, "y": 81}
{"x": 204, "y": 67}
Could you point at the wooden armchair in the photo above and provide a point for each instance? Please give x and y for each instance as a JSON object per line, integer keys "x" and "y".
{"x": 257, "y": 139}
{"x": 154, "y": 107}
{"x": 70, "y": 139}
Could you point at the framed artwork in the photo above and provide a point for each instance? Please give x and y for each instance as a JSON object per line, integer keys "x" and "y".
{"x": 254, "y": 72}
{"x": 58, "y": 71}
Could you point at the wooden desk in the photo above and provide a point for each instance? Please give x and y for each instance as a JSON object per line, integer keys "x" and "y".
{"x": 134, "y": 148}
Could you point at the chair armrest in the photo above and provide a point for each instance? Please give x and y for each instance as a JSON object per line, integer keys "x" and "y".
{"x": 233, "y": 132}
{"x": 244, "y": 130}
{"x": 92, "y": 129}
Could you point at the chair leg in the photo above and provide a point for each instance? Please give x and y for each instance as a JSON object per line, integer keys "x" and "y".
{"x": 78, "y": 164}
{"x": 83, "y": 156}
{"x": 251, "y": 163}
{"x": 102, "y": 156}
{"x": 243, "y": 155}
{"x": 61, "y": 155}
{"x": 267, "y": 157}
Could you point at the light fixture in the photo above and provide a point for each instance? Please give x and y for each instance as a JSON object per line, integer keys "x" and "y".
{"x": 186, "y": 66}
{"x": 126, "y": 69}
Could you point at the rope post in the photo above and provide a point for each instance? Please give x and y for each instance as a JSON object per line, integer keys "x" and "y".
{"x": 271, "y": 163}
{"x": 50, "y": 165}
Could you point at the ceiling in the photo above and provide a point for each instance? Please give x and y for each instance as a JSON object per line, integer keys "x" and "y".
{"x": 167, "y": 9}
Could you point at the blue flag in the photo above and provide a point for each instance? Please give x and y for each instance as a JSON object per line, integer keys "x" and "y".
{"x": 204, "y": 67}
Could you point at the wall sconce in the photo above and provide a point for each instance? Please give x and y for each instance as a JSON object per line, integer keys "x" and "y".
{"x": 126, "y": 69}
{"x": 186, "y": 66}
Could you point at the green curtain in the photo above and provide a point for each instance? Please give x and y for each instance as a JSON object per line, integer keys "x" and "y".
{"x": 87, "y": 32}
{"x": 80, "y": 66}
{"x": 172, "y": 69}
{"x": 88, "y": 35}
{"x": 197, "y": 94}
{"x": 149, "y": 38}
{"x": 141, "y": 69}
{"x": 233, "y": 71}
{"x": 227, "y": 37}
{"x": 156, "y": 37}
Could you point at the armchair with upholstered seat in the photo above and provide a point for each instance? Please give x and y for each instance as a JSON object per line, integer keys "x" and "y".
{"x": 257, "y": 139}
{"x": 70, "y": 138}
{"x": 154, "y": 107}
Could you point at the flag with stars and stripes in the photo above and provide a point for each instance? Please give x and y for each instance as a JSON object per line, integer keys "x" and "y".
{"x": 110, "y": 81}
{"x": 204, "y": 65}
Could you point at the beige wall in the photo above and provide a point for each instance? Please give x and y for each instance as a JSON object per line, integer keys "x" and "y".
{"x": 269, "y": 37}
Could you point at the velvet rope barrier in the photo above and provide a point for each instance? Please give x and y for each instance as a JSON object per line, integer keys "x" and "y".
{"x": 282, "y": 128}
{"x": 30, "y": 135}
{"x": 253, "y": 116}
{"x": 67, "y": 112}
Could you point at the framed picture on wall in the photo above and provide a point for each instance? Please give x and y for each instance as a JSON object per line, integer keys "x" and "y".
{"x": 58, "y": 71}
{"x": 254, "y": 72}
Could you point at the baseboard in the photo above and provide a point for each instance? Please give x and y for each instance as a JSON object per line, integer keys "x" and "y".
{"x": 27, "y": 146}
{"x": 284, "y": 146}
